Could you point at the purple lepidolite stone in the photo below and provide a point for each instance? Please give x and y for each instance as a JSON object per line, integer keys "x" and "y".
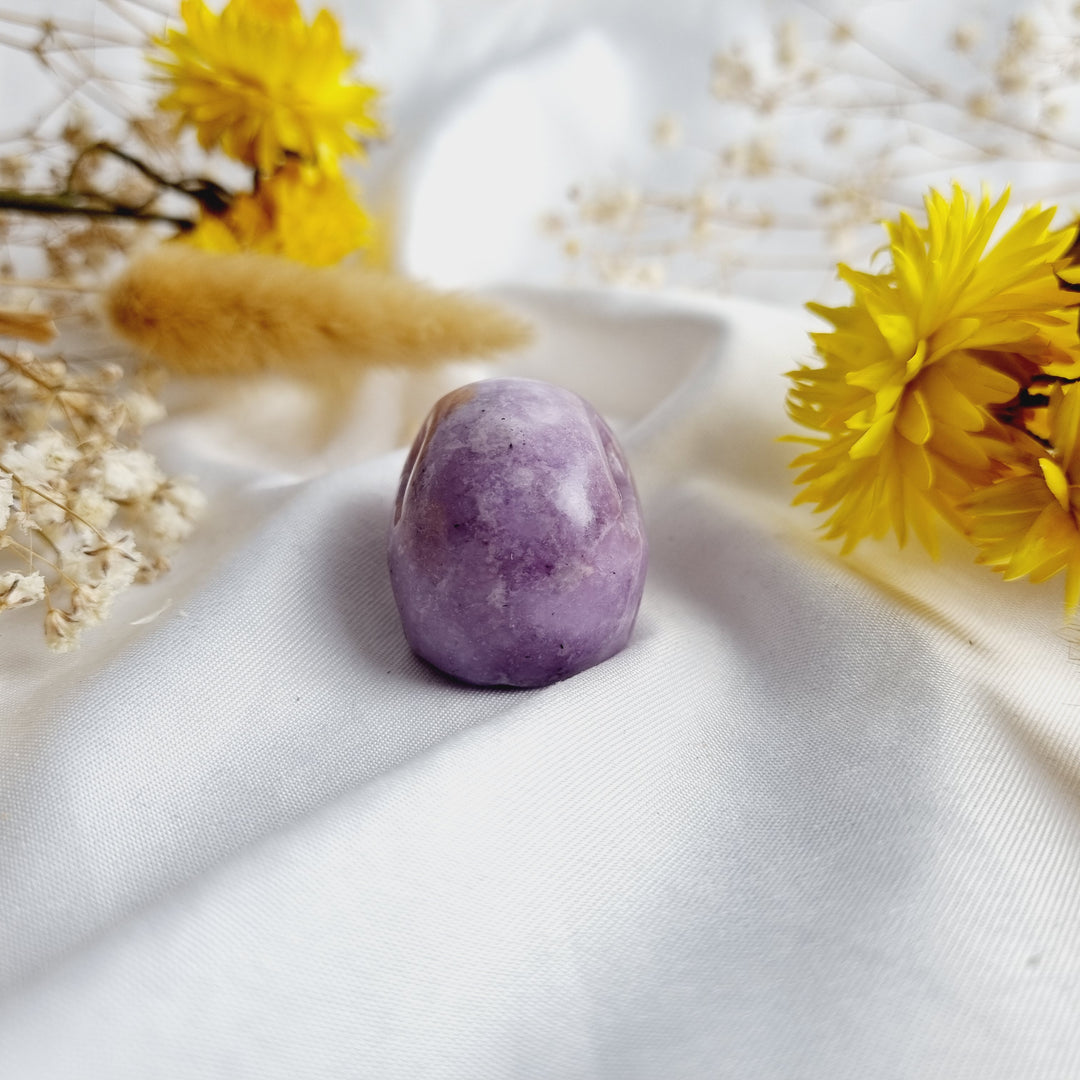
{"x": 517, "y": 552}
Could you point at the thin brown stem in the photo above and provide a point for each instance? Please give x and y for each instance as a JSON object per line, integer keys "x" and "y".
{"x": 30, "y": 555}
{"x": 938, "y": 92}
{"x": 15, "y": 364}
{"x": 211, "y": 196}
{"x": 51, "y": 25}
{"x": 72, "y": 204}
{"x": 123, "y": 11}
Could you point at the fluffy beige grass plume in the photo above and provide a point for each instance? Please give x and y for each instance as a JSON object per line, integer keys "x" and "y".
{"x": 205, "y": 314}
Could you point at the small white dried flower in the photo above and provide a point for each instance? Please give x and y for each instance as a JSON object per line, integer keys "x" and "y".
{"x": 980, "y": 106}
{"x": 651, "y": 274}
{"x": 61, "y": 630}
{"x": 733, "y": 79}
{"x": 836, "y": 133}
{"x": 13, "y": 170}
{"x": 169, "y": 518}
{"x": 1023, "y": 34}
{"x": 965, "y": 37}
{"x": 186, "y": 497}
{"x": 667, "y": 131}
{"x": 42, "y": 462}
{"x": 90, "y": 505}
{"x": 703, "y": 202}
{"x": 44, "y": 506}
{"x": 129, "y": 474}
{"x": 18, "y": 590}
{"x": 788, "y": 50}
{"x": 842, "y": 33}
{"x": 108, "y": 374}
{"x": 615, "y": 206}
{"x": 759, "y": 158}
{"x": 90, "y": 603}
{"x": 142, "y": 409}
{"x": 552, "y": 224}
{"x": 1011, "y": 75}
{"x": 52, "y": 368}
{"x": 1053, "y": 113}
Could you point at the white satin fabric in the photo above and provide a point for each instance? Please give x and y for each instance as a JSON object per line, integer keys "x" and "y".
{"x": 818, "y": 822}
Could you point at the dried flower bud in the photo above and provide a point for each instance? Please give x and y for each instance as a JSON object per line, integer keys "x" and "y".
{"x": 965, "y": 37}
{"x": 129, "y": 474}
{"x": 733, "y": 78}
{"x": 61, "y": 630}
{"x": 89, "y": 503}
{"x": 1023, "y": 34}
{"x": 787, "y": 44}
{"x": 18, "y": 590}
{"x": 142, "y": 409}
{"x": 667, "y": 131}
{"x": 172, "y": 514}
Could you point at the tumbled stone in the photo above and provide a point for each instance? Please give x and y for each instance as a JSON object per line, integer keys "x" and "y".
{"x": 517, "y": 551}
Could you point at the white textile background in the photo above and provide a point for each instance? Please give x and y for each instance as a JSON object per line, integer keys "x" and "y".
{"x": 820, "y": 820}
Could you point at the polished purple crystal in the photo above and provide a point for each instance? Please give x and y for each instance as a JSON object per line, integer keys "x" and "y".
{"x": 517, "y": 552}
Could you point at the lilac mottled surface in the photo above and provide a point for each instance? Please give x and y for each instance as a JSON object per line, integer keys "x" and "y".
{"x": 517, "y": 552}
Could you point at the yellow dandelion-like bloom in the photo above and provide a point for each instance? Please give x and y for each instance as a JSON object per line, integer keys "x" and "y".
{"x": 910, "y": 406}
{"x": 1028, "y": 524}
{"x": 261, "y": 83}
{"x": 299, "y": 212}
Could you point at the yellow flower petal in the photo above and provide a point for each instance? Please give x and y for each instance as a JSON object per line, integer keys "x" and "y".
{"x": 874, "y": 438}
{"x": 1056, "y": 481}
{"x": 914, "y": 420}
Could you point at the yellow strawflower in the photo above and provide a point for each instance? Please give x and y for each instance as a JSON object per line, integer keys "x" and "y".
{"x": 1028, "y": 524}
{"x": 261, "y": 83}
{"x": 910, "y": 404}
{"x": 299, "y": 212}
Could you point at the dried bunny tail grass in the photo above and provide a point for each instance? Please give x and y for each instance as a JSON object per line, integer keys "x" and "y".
{"x": 208, "y": 314}
{"x": 34, "y": 326}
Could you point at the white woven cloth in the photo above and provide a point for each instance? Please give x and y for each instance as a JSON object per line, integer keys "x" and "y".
{"x": 818, "y": 822}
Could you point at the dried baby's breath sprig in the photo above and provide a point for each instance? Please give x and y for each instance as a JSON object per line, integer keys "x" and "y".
{"x": 213, "y": 314}
{"x": 799, "y": 150}
{"x": 66, "y": 207}
{"x": 84, "y": 511}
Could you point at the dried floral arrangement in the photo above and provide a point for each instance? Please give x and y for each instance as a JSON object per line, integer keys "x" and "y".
{"x": 947, "y": 388}
{"x": 802, "y": 144}
{"x": 206, "y": 216}
{"x": 84, "y": 510}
